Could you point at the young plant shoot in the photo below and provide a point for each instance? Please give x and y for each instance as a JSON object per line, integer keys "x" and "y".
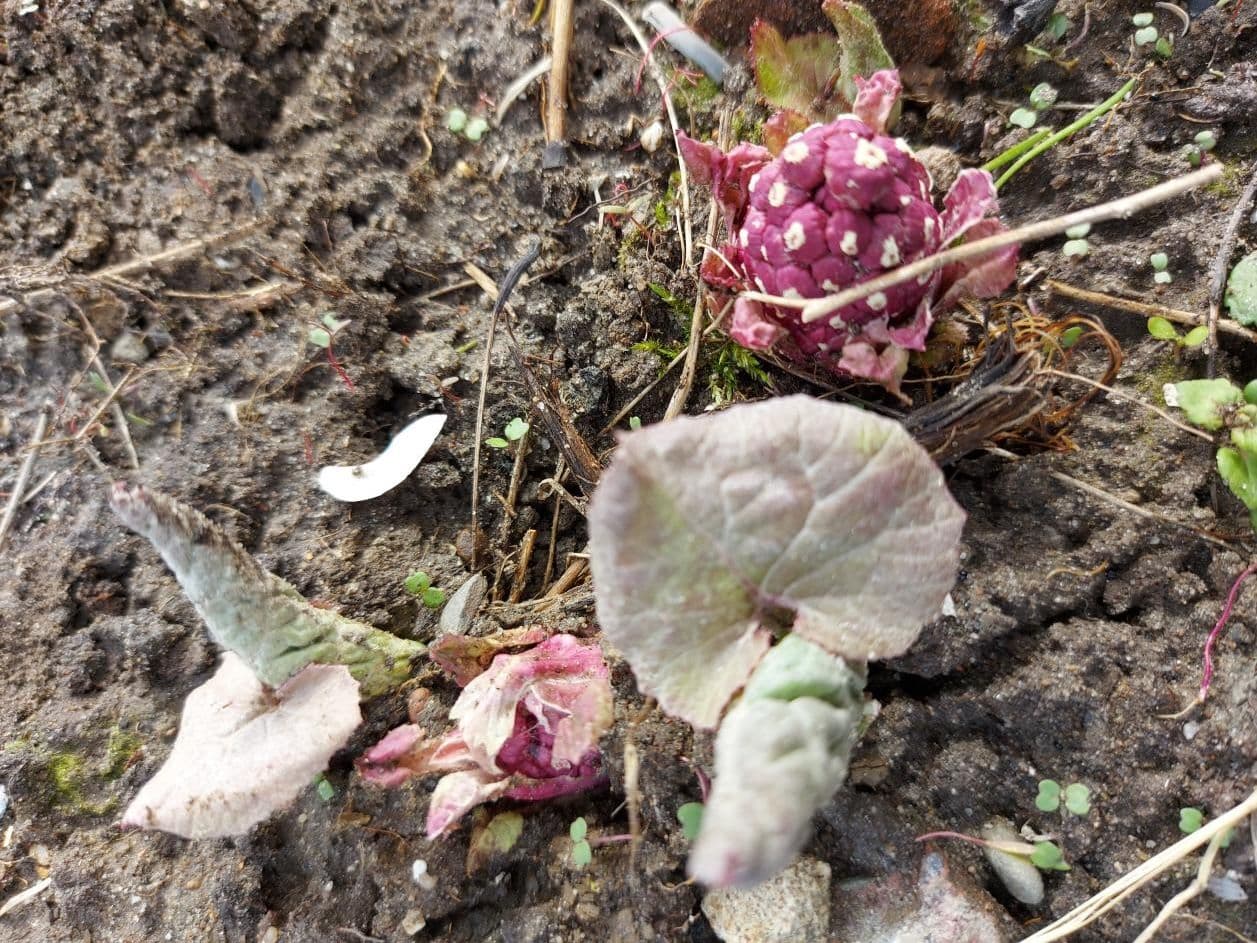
{"x": 285, "y": 697}
{"x": 819, "y": 527}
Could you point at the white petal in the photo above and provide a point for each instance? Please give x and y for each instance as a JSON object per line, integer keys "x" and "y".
{"x": 388, "y": 469}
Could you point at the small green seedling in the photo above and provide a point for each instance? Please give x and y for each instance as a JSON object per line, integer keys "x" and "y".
{"x": 1077, "y": 797}
{"x": 326, "y": 791}
{"x": 1219, "y": 404}
{"x": 1048, "y": 857}
{"x": 1077, "y": 244}
{"x": 513, "y": 432}
{"x": 582, "y": 853}
{"x": 1202, "y": 144}
{"x": 419, "y": 584}
{"x": 1145, "y": 32}
{"x": 322, "y": 336}
{"x": 1159, "y": 262}
{"x": 1163, "y": 330}
{"x": 456, "y": 120}
{"x": 1190, "y": 820}
{"x": 1057, "y": 26}
{"x": 1241, "y": 291}
{"x": 690, "y": 816}
{"x": 635, "y": 422}
{"x": 473, "y": 128}
{"x": 1042, "y": 97}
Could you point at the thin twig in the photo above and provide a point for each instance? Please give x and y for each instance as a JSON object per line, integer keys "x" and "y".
{"x": 109, "y": 400}
{"x": 1217, "y": 283}
{"x": 1183, "y": 897}
{"x": 499, "y": 296}
{"x": 120, "y": 418}
{"x": 1135, "y": 508}
{"x": 1123, "y": 208}
{"x": 521, "y": 567}
{"x": 559, "y": 471}
{"x": 561, "y": 31}
{"x": 686, "y": 223}
{"x": 1198, "y": 433}
{"x": 24, "y": 473}
{"x": 1100, "y": 903}
{"x": 1142, "y": 308}
{"x": 1082, "y": 33}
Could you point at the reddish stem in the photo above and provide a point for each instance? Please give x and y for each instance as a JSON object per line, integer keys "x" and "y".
{"x": 650, "y": 48}
{"x": 596, "y": 840}
{"x": 1207, "y": 677}
{"x": 340, "y": 371}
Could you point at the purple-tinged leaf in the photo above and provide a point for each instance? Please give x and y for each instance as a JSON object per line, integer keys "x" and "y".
{"x": 983, "y": 277}
{"x": 243, "y": 753}
{"x": 972, "y": 198}
{"x": 750, "y": 328}
{"x": 564, "y": 684}
{"x": 458, "y": 793}
{"x": 708, "y": 535}
{"x": 793, "y": 73}
{"x": 863, "y": 53}
{"x": 877, "y": 103}
{"x": 253, "y": 613}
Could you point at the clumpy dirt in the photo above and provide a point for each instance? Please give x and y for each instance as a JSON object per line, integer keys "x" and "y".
{"x": 286, "y": 161}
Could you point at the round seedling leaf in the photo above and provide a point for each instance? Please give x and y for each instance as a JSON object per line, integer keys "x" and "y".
{"x": 1142, "y": 19}
{"x": 319, "y": 337}
{"x": 1048, "y": 857}
{"x": 1241, "y": 291}
{"x": 708, "y": 534}
{"x": 1049, "y": 797}
{"x": 1162, "y": 278}
{"x": 1024, "y": 118}
{"x": 1078, "y": 799}
{"x": 1206, "y": 140}
{"x": 1043, "y": 96}
{"x": 433, "y": 598}
{"x": 578, "y": 830}
{"x": 1081, "y": 231}
{"x": 1076, "y": 248}
{"x": 387, "y": 470}
{"x": 1069, "y": 336}
{"x": 497, "y": 442}
{"x": 417, "y": 582}
{"x": 1164, "y": 47}
{"x": 1146, "y": 35}
{"x": 1162, "y": 329}
{"x": 690, "y": 816}
{"x": 582, "y": 854}
{"x": 476, "y": 128}
{"x": 1158, "y": 261}
{"x": 515, "y": 429}
{"x": 1190, "y": 820}
{"x": 1197, "y": 336}
{"x": 456, "y": 120}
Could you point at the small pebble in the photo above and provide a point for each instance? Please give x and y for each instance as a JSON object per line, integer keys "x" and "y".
{"x": 419, "y": 873}
{"x": 4, "y": 801}
{"x": 413, "y": 922}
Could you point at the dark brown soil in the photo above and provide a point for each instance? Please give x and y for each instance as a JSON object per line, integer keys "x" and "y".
{"x": 307, "y": 142}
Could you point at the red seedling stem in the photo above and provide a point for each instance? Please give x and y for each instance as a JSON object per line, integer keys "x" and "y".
{"x": 340, "y": 371}
{"x": 1207, "y": 676}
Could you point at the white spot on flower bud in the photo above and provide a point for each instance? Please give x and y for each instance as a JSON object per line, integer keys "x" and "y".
{"x": 795, "y": 152}
{"x": 869, "y": 155}
{"x": 877, "y": 301}
{"x": 754, "y": 182}
{"x": 744, "y": 237}
{"x": 929, "y": 227}
{"x": 763, "y": 253}
{"x": 905, "y": 200}
{"x": 777, "y": 193}
{"x": 823, "y": 348}
{"x": 829, "y": 286}
{"x": 794, "y": 237}
{"x": 903, "y": 145}
{"x": 850, "y": 243}
{"x": 837, "y": 322}
{"x": 792, "y": 293}
{"x": 890, "y": 252}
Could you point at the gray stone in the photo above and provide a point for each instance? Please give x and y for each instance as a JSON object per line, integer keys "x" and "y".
{"x": 793, "y": 907}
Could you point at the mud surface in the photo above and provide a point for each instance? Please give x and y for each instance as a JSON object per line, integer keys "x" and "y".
{"x": 292, "y": 161}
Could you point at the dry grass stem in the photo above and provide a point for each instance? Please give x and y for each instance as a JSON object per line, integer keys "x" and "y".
{"x": 24, "y": 473}
{"x": 1108, "y": 898}
{"x": 561, "y": 32}
{"x": 685, "y": 224}
{"x": 1144, "y": 309}
{"x": 1192, "y": 430}
{"x": 1185, "y": 896}
{"x": 521, "y": 568}
{"x": 1217, "y": 281}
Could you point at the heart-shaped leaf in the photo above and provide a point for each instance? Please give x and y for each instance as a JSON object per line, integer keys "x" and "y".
{"x": 243, "y": 752}
{"x": 708, "y": 535}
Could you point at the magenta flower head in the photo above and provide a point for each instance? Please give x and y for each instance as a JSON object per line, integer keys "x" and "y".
{"x": 840, "y": 204}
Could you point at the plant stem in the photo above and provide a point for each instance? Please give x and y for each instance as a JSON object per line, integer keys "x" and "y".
{"x": 1069, "y": 130}
{"x": 1016, "y": 150}
{"x": 1206, "y": 677}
